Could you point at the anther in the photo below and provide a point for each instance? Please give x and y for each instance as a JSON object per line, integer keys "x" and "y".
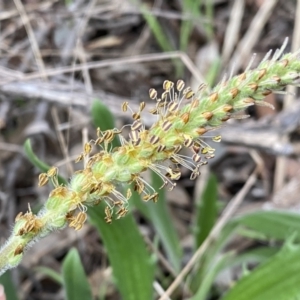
{"x": 173, "y": 106}
{"x": 253, "y": 86}
{"x": 276, "y": 78}
{"x": 125, "y": 106}
{"x": 167, "y": 85}
{"x": 136, "y": 116}
{"x": 166, "y": 125}
{"x": 19, "y": 216}
{"x": 108, "y": 216}
{"x": 53, "y": 171}
{"x": 190, "y": 94}
{"x": 87, "y": 148}
{"x": 19, "y": 250}
{"x": 234, "y": 92}
{"x": 202, "y": 86}
{"x": 177, "y": 149}
{"x": 213, "y": 97}
{"x": 142, "y": 106}
{"x": 79, "y": 158}
{"x": 188, "y": 141}
{"x": 43, "y": 179}
{"x": 201, "y": 130}
{"x": 108, "y": 136}
{"x": 136, "y": 125}
{"x": 249, "y": 100}
{"x": 152, "y": 94}
{"x": 173, "y": 175}
{"x": 179, "y": 85}
{"x": 217, "y": 138}
{"x": 242, "y": 77}
{"x": 195, "y": 103}
{"x": 207, "y": 115}
{"x": 134, "y": 136}
{"x": 154, "y": 140}
{"x": 227, "y": 108}
{"x": 161, "y": 148}
{"x": 196, "y": 148}
{"x": 226, "y": 118}
{"x": 284, "y": 62}
{"x": 196, "y": 158}
{"x": 154, "y": 111}
{"x": 185, "y": 117}
{"x": 262, "y": 73}
{"x": 267, "y": 92}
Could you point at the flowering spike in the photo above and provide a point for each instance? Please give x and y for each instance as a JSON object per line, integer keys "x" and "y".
{"x": 179, "y": 123}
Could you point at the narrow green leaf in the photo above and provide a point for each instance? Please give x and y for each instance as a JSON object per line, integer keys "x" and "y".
{"x": 273, "y": 224}
{"x": 213, "y": 72}
{"x": 207, "y": 211}
{"x": 211, "y": 254}
{"x": 9, "y": 287}
{"x": 161, "y": 38}
{"x": 209, "y": 16}
{"x": 128, "y": 256}
{"x": 230, "y": 260}
{"x": 125, "y": 246}
{"x": 277, "y": 279}
{"x": 191, "y": 7}
{"x": 37, "y": 162}
{"x": 103, "y": 118}
{"x": 156, "y": 29}
{"x": 55, "y": 276}
{"x": 210, "y": 276}
{"x": 159, "y": 216}
{"x": 257, "y": 255}
{"x": 75, "y": 281}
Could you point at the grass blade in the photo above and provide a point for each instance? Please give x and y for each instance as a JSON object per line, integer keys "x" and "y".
{"x": 43, "y": 167}
{"x": 9, "y": 287}
{"x": 75, "y": 281}
{"x": 278, "y": 278}
{"x": 210, "y": 276}
{"x": 159, "y": 216}
{"x": 104, "y": 119}
{"x": 129, "y": 258}
{"x": 207, "y": 211}
{"x": 125, "y": 246}
{"x": 273, "y": 224}
{"x": 157, "y": 30}
{"x": 55, "y": 276}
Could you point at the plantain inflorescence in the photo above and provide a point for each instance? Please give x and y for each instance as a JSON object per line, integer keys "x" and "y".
{"x": 183, "y": 117}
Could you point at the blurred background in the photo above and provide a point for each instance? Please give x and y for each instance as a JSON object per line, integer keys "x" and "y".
{"x": 63, "y": 63}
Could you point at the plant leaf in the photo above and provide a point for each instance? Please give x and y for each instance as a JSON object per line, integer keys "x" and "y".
{"x": 104, "y": 119}
{"x": 159, "y": 216}
{"x": 157, "y": 30}
{"x": 207, "y": 211}
{"x": 55, "y": 276}
{"x": 276, "y": 279}
{"x": 128, "y": 256}
{"x": 37, "y": 162}
{"x": 75, "y": 281}
{"x": 210, "y": 276}
{"x": 126, "y": 249}
{"x": 9, "y": 287}
{"x": 273, "y": 224}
